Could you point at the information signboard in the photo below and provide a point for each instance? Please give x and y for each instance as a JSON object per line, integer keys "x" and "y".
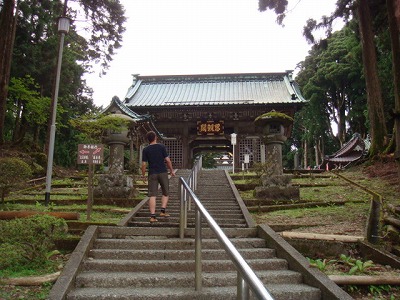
{"x": 90, "y": 154}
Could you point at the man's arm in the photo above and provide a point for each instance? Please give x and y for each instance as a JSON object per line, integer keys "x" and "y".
{"x": 144, "y": 167}
{"x": 169, "y": 165}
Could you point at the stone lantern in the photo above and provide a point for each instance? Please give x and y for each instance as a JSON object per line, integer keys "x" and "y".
{"x": 275, "y": 185}
{"x": 117, "y": 140}
{"x": 273, "y": 125}
{"x": 116, "y": 184}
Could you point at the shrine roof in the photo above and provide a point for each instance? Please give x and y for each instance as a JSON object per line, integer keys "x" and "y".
{"x": 116, "y": 106}
{"x": 214, "y": 89}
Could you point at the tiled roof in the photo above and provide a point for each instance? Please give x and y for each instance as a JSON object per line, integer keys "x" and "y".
{"x": 116, "y": 103}
{"x": 218, "y": 89}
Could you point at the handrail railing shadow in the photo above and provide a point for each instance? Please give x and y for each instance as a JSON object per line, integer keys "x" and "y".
{"x": 246, "y": 278}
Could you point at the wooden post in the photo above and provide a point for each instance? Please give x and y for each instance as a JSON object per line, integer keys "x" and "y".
{"x": 90, "y": 192}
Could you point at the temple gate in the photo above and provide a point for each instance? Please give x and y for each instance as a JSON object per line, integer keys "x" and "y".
{"x": 198, "y": 113}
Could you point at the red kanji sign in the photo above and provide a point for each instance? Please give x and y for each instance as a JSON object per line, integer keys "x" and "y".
{"x": 89, "y": 154}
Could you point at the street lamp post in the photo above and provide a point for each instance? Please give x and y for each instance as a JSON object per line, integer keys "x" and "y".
{"x": 233, "y": 142}
{"x": 63, "y": 28}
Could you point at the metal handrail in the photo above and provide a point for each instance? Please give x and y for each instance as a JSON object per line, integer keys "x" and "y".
{"x": 246, "y": 278}
{"x": 192, "y": 182}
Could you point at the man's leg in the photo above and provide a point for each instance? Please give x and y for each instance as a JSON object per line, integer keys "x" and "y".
{"x": 164, "y": 183}
{"x": 164, "y": 201}
{"x": 152, "y": 205}
{"x": 153, "y": 187}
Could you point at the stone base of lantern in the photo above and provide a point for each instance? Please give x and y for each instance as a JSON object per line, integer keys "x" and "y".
{"x": 114, "y": 186}
{"x": 277, "y": 187}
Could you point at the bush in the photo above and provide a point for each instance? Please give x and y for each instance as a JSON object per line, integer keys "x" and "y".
{"x": 13, "y": 171}
{"x": 11, "y": 256}
{"x": 29, "y": 240}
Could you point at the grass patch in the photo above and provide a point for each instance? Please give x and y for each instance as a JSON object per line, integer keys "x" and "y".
{"x": 333, "y": 193}
{"x": 100, "y": 213}
{"x": 345, "y": 212}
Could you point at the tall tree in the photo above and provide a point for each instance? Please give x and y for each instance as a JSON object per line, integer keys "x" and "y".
{"x": 105, "y": 25}
{"x": 331, "y": 78}
{"x": 347, "y": 9}
{"x": 393, "y": 8}
{"x": 374, "y": 95}
{"x": 7, "y": 32}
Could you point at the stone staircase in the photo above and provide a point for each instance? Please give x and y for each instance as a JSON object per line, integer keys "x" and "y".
{"x": 142, "y": 262}
{"x": 214, "y": 190}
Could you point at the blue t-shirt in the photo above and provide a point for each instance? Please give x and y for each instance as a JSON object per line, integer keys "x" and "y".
{"x": 155, "y": 155}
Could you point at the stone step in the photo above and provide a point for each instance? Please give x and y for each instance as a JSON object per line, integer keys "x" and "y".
{"x": 128, "y": 233}
{"x": 208, "y": 254}
{"x": 174, "y": 243}
{"x": 182, "y": 279}
{"x": 162, "y": 224}
{"x": 221, "y": 221}
{"x": 231, "y": 207}
{"x": 217, "y": 214}
{"x": 210, "y": 208}
{"x": 278, "y": 291}
{"x": 121, "y": 265}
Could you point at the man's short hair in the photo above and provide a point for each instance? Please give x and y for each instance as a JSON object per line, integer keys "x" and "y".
{"x": 151, "y": 136}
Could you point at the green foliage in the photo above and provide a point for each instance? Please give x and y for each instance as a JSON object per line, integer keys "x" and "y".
{"x": 94, "y": 127}
{"x": 360, "y": 266}
{"x": 357, "y": 266}
{"x": 209, "y": 160}
{"x": 378, "y": 290}
{"x": 29, "y": 240}
{"x": 26, "y": 90}
{"x": 13, "y": 171}
{"x": 331, "y": 78}
{"x": 321, "y": 264}
{"x": 33, "y": 69}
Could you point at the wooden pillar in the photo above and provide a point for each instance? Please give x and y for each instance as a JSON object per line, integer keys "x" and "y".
{"x": 185, "y": 147}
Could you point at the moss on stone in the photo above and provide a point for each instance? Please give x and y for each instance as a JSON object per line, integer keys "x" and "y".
{"x": 273, "y": 116}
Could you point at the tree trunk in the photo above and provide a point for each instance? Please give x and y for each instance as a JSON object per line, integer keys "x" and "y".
{"x": 318, "y": 236}
{"x": 7, "y": 33}
{"x": 373, "y": 87}
{"x": 364, "y": 280}
{"x": 17, "y": 121}
{"x": 305, "y": 154}
{"x": 393, "y": 9}
{"x": 341, "y": 116}
{"x": 31, "y": 280}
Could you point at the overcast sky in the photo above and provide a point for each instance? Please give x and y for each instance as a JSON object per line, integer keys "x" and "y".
{"x": 168, "y": 37}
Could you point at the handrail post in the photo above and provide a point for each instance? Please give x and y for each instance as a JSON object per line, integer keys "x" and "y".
{"x": 182, "y": 215}
{"x": 189, "y": 205}
{"x": 243, "y": 290}
{"x": 198, "y": 271}
{"x": 195, "y": 179}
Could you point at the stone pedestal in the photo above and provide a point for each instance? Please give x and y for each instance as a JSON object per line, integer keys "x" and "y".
{"x": 114, "y": 186}
{"x": 275, "y": 185}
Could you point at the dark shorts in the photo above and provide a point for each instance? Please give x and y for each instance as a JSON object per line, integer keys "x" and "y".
{"x": 154, "y": 181}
